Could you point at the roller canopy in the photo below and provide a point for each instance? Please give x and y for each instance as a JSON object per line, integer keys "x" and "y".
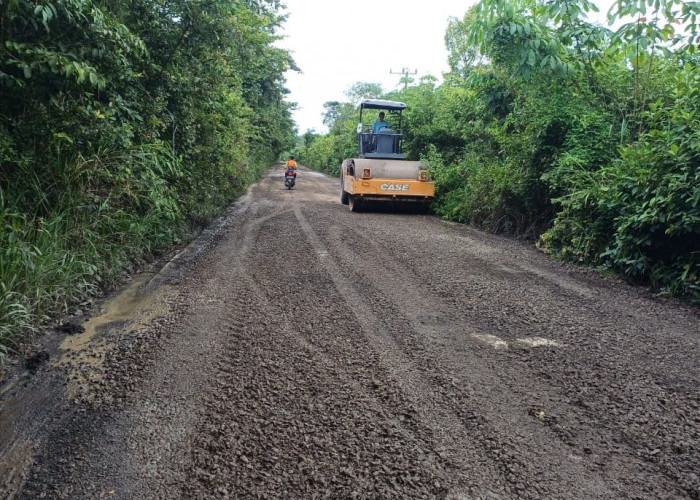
{"x": 380, "y": 104}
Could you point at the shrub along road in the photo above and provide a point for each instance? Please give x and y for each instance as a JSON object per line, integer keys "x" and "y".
{"x": 298, "y": 350}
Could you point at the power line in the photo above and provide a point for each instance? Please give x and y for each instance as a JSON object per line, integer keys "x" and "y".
{"x": 405, "y": 72}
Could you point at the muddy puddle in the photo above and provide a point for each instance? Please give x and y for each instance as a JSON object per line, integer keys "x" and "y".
{"x": 117, "y": 311}
{"x": 83, "y": 355}
{"x": 74, "y": 365}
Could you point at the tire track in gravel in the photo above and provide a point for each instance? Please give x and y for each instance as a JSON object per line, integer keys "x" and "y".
{"x": 301, "y": 418}
{"x": 309, "y": 352}
{"x": 162, "y": 435}
{"x": 431, "y": 336}
{"x": 602, "y": 445}
{"x": 610, "y": 437}
{"x": 147, "y": 438}
{"x": 351, "y": 362}
{"x": 624, "y": 390}
{"x": 452, "y": 439}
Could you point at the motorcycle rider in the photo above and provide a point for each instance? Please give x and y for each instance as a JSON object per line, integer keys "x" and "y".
{"x": 293, "y": 164}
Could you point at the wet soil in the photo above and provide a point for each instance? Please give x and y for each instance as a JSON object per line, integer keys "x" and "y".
{"x": 298, "y": 350}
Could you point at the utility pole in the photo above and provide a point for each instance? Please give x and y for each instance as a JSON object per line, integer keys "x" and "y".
{"x": 405, "y": 72}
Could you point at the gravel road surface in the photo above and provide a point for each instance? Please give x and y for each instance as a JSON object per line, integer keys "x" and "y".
{"x": 297, "y": 350}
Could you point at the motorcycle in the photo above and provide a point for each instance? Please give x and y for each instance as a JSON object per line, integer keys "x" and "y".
{"x": 289, "y": 178}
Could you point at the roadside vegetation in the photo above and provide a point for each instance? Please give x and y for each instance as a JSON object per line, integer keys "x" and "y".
{"x": 583, "y": 139}
{"x": 124, "y": 126}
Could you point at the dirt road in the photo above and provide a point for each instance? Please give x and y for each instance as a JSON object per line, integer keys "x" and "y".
{"x": 301, "y": 351}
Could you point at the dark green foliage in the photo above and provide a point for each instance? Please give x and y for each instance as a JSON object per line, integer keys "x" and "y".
{"x": 641, "y": 215}
{"x": 586, "y": 138}
{"x": 123, "y": 125}
{"x": 430, "y": 119}
{"x": 326, "y": 153}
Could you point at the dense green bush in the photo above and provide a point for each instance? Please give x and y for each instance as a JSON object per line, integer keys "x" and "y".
{"x": 326, "y": 153}
{"x": 590, "y": 132}
{"x": 123, "y": 127}
{"x": 641, "y": 215}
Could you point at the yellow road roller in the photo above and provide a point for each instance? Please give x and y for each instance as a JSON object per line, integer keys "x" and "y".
{"x": 381, "y": 174}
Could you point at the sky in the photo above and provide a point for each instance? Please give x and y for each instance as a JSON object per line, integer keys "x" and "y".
{"x": 337, "y": 43}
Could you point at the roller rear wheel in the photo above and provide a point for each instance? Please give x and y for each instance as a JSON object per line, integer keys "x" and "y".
{"x": 354, "y": 203}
